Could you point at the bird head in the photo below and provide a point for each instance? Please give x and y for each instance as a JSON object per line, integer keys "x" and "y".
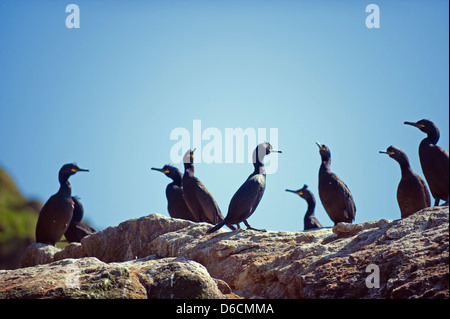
{"x": 68, "y": 170}
{"x": 71, "y": 169}
{"x": 189, "y": 157}
{"x": 303, "y": 192}
{"x": 168, "y": 170}
{"x": 395, "y": 153}
{"x": 324, "y": 151}
{"x": 262, "y": 150}
{"x": 425, "y": 126}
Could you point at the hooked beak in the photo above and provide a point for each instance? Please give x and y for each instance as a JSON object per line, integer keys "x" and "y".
{"x": 158, "y": 169}
{"x": 299, "y": 193}
{"x": 82, "y": 170}
{"x": 412, "y": 124}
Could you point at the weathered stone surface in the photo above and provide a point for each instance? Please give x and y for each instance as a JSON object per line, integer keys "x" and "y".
{"x": 412, "y": 256}
{"x": 91, "y": 278}
{"x": 37, "y": 254}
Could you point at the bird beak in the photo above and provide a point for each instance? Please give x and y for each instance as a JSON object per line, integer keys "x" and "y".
{"x": 412, "y": 124}
{"x": 275, "y": 151}
{"x": 388, "y": 153}
{"x": 157, "y": 169}
{"x": 291, "y": 191}
{"x": 319, "y": 145}
{"x": 82, "y": 170}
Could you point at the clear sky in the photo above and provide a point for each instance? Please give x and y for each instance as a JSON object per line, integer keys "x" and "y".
{"x": 109, "y": 94}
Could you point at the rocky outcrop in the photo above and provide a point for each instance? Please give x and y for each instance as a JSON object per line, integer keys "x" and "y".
{"x": 91, "y": 278}
{"x": 160, "y": 257}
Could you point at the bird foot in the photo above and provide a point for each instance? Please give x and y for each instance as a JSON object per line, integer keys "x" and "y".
{"x": 261, "y": 230}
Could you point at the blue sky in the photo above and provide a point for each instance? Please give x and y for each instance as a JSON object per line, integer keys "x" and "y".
{"x": 109, "y": 94}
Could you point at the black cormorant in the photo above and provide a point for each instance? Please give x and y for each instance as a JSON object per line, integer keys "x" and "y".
{"x": 412, "y": 192}
{"x": 55, "y": 216}
{"x": 174, "y": 192}
{"x": 77, "y": 230}
{"x": 434, "y": 161}
{"x": 310, "y": 221}
{"x": 197, "y": 197}
{"x": 248, "y": 196}
{"x": 334, "y": 194}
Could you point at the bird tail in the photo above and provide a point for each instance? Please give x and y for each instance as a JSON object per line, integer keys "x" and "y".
{"x": 217, "y": 227}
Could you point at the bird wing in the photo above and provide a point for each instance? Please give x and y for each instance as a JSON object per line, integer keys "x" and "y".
{"x": 208, "y": 203}
{"x": 426, "y": 192}
{"x": 245, "y": 200}
{"x": 346, "y": 199}
{"x": 443, "y": 159}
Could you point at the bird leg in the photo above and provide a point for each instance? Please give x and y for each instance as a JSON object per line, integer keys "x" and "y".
{"x": 251, "y": 228}
{"x": 436, "y": 201}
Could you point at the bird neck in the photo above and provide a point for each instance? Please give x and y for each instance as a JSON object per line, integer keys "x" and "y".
{"x": 311, "y": 206}
{"x": 432, "y": 136}
{"x": 65, "y": 188}
{"x": 177, "y": 179}
{"x": 189, "y": 168}
{"x": 325, "y": 166}
{"x": 259, "y": 168}
{"x": 404, "y": 166}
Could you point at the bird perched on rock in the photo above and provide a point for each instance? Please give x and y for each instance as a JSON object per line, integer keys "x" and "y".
{"x": 434, "y": 161}
{"x": 197, "y": 197}
{"x": 56, "y": 215}
{"x": 248, "y": 196}
{"x": 77, "y": 230}
{"x": 310, "y": 221}
{"x": 174, "y": 192}
{"x": 334, "y": 194}
{"x": 412, "y": 192}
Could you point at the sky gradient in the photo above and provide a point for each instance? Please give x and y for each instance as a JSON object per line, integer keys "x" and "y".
{"x": 109, "y": 94}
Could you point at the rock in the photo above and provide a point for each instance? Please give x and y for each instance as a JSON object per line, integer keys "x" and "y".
{"x": 92, "y": 278}
{"x": 407, "y": 258}
{"x": 37, "y": 254}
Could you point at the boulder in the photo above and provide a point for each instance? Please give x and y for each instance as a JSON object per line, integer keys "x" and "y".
{"x": 406, "y": 258}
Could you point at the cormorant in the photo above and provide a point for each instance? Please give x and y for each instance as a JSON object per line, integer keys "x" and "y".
{"x": 197, "y": 197}
{"x": 412, "y": 192}
{"x": 77, "y": 230}
{"x": 55, "y": 216}
{"x": 434, "y": 161}
{"x": 310, "y": 221}
{"x": 334, "y": 194}
{"x": 174, "y": 192}
{"x": 248, "y": 196}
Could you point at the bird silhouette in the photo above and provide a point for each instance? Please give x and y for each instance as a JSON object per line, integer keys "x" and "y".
{"x": 334, "y": 194}
{"x": 248, "y": 196}
{"x": 434, "y": 161}
{"x": 412, "y": 191}
{"x": 174, "y": 192}
{"x": 56, "y": 215}
{"x": 309, "y": 221}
